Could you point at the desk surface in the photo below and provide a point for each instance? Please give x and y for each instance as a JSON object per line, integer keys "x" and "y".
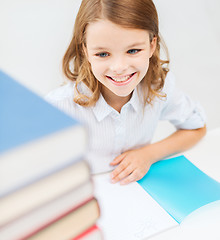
{"x": 203, "y": 223}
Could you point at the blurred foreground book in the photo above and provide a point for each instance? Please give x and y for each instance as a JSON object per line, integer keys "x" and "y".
{"x": 45, "y": 183}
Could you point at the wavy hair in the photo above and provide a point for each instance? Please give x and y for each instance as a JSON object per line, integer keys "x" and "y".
{"x": 135, "y": 14}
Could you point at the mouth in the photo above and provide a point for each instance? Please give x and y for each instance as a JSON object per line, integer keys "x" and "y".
{"x": 121, "y": 80}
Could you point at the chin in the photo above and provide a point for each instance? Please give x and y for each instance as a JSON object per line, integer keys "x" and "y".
{"x": 123, "y": 94}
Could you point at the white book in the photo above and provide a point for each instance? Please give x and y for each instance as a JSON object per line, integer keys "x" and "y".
{"x": 27, "y": 199}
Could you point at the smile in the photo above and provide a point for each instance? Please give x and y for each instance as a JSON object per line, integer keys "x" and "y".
{"x": 121, "y": 80}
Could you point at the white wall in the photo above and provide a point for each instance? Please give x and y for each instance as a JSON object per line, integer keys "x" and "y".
{"x": 33, "y": 37}
{"x": 191, "y": 30}
{"x": 35, "y": 33}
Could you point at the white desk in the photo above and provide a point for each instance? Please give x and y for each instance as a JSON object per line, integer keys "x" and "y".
{"x": 203, "y": 223}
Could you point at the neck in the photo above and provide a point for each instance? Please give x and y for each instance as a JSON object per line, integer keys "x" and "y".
{"x": 116, "y": 102}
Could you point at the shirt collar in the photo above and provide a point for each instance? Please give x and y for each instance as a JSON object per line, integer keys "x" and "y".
{"x": 102, "y": 109}
{"x": 135, "y": 100}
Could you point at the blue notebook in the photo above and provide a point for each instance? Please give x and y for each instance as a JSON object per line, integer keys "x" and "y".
{"x": 26, "y": 120}
{"x": 179, "y": 186}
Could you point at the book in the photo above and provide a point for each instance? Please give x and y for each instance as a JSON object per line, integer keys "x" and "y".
{"x": 40, "y": 217}
{"x": 26, "y": 199}
{"x": 169, "y": 192}
{"x": 31, "y": 133}
{"x": 69, "y": 225}
{"x": 180, "y": 187}
{"x": 45, "y": 186}
{"x": 93, "y": 233}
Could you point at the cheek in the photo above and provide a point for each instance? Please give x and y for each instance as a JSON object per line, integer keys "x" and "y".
{"x": 143, "y": 68}
{"x": 98, "y": 68}
{"x": 146, "y": 65}
{"x": 143, "y": 64}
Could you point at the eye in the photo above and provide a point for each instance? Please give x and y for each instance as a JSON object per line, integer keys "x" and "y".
{"x": 102, "y": 55}
{"x": 133, "y": 51}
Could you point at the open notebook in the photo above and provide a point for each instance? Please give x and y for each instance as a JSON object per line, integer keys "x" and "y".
{"x": 171, "y": 190}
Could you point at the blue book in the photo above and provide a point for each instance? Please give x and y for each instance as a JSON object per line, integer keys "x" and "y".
{"x": 36, "y": 139}
{"x": 179, "y": 186}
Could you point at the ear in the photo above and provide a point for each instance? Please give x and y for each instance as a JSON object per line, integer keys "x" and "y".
{"x": 153, "y": 46}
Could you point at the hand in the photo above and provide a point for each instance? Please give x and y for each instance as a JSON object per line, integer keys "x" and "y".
{"x": 132, "y": 166}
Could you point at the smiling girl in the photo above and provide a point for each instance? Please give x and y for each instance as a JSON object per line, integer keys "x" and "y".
{"x": 118, "y": 86}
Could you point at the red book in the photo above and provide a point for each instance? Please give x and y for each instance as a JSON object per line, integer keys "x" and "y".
{"x": 93, "y": 233}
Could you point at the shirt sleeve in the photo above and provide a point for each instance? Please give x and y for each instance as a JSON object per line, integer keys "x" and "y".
{"x": 179, "y": 108}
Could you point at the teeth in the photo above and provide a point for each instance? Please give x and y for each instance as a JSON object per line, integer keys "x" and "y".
{"x": 121, "y": 79}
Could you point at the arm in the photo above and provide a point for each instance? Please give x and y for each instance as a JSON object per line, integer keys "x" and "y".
{"x": 134, "y": 164}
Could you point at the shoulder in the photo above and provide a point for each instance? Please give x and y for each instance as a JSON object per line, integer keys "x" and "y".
{"x": 168, "y": 89}
{"x": 62, "y": 98}
{"x": 61, "y": 93}
{"x": 170, "y": 83}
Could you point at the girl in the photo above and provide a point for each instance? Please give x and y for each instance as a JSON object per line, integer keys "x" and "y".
{"x": 120, "y": 88}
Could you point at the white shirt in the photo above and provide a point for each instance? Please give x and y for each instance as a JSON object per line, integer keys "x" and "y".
{"x": 111, "y": 133}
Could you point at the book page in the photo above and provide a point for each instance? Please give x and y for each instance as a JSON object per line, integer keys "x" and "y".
{"x": 128, "y": 211}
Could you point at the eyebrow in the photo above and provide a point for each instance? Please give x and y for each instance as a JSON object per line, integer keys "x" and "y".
{"x": 136, "y": 44}
{"x": 130, "y": 46}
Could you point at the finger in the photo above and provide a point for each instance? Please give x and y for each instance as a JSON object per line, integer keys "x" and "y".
{"x": 123, "y": 174}
{"x": 131, "y": 178}
{"x": 123, "y": 165}
{"x": 118, "y": 159}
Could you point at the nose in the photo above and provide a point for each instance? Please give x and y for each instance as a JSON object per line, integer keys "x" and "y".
{"x": 118, "y": 65}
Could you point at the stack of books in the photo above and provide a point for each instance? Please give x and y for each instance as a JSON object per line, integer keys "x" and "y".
{"x": 46, "y": 191}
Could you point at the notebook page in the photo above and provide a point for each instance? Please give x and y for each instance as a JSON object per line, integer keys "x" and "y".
{"x": 128, "y": 211}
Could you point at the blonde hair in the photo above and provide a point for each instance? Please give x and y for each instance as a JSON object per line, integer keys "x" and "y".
{"x": 136, "y": 14}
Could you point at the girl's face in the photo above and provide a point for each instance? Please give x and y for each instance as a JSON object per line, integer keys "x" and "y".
{"x": 119, "y": 57}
